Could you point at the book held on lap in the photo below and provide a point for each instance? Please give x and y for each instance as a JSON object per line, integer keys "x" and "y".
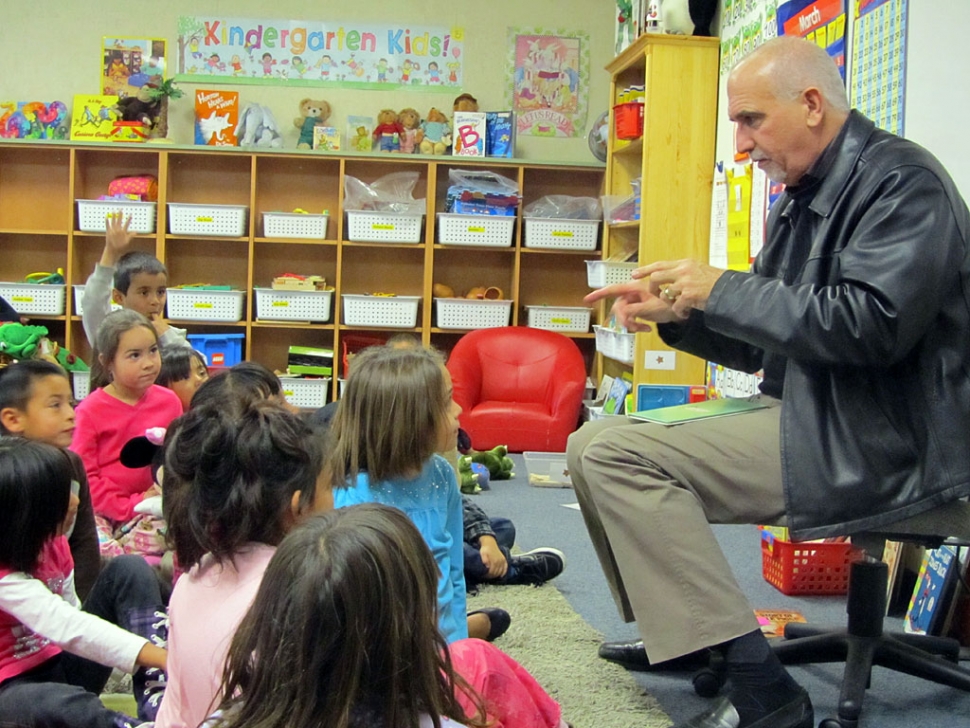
{"x": 707, "y": 409}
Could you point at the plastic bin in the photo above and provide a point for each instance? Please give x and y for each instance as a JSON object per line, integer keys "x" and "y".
{"x": 275, "y": 305}
{"x": 92, "y": 215}
{"x": 39, "y": 299}
{"x": 351, "y": 344}
{"x": 601, "y": 273}
{"x": 470, "y": 313}
{"x": 561, "y": 234}
{"x": 367, "y": 226}
{"x": 211, "y": 220}
{"x": 305, "y": 393}
{"x": 221, "y": 350}
{"x": 616, "y": 345}
{"x": 628, "y": 120}
{"x": 295, "y": 225}
{"x": 79, "y": 296}
{"x": 547, "y": 469}
{"x": 389, "y": 312}
{"x": 82, "y": 384}
{"x": 808, "y": 567}
{"x": 189, "y": 304}
{"x": 490, "y": 231}
{"x": 559, "y": 318}
{"x": 653, "y": 396}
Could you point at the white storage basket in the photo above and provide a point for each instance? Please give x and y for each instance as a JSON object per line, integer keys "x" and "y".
{"x": 79, "y": 296}
{"x": 492, "y": 231}
{"x": 295, "y": 225}
{"x": 92, "y": 215}
{"x": 470, "y": 313}
{"x": 274, "y": 305}
{"x": 39, "y": 299}
{"x": 366, "y": 226}
{"x": 559, "y": 318}
{"x": 561, "y": 234}
{"x": 305, "y": 393}
{"x": 601, "y": 273}
{"x": 82, "y": 384}
{"x": 188, "y": 304}
{"x": 216, "y": 220}
{"x": 615, "y": 344}
{"x": 390, "y": 312}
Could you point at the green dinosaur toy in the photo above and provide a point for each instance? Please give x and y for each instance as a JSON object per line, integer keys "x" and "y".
{"x": 499, "y": 464}
{"x": 19, "y": 342}
{"x": 468, "y": 479}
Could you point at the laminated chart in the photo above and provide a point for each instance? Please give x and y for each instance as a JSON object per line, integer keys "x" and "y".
{"x": 878, "y": 72}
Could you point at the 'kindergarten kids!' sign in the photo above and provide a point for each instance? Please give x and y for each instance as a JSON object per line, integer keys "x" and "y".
{"x": 314, "y": 53}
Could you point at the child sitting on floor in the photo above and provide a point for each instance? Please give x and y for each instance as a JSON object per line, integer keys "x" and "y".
{"x": 133, "y": 280}
{"x": 183, "y": 371}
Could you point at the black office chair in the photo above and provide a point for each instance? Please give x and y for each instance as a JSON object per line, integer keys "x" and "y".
{"x": 863, "y": 643}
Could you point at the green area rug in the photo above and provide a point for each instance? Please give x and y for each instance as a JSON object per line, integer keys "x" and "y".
{"x": 554, "y": 644}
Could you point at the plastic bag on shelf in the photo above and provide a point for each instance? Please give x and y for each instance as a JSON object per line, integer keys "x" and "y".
{"x": 617, "y": 208}
{"x": 564, "y": 207}
{"x": 391, "y": 193}
{"x": 481, "y": 192}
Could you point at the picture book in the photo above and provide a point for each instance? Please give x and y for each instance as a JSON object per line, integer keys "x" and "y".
{"x": 326, "y": 138}
{"x": 359, "y": 130}
{"x": 615, "y": 401}
{"x": 500, "y": 134}
{"x": 93, "y": 118}
{"x": 892, "y": 554}
{"x": 216, "y": 118}
{"x": 930, "y": 601}
{"x": 698, "y": 411}
{"x": 469, "y": 134}
{"x": 773, "y": 621}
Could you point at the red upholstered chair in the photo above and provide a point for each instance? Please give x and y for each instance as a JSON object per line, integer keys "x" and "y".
{"x": 518, "y": 386}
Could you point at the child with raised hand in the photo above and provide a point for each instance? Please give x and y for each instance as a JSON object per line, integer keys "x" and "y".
{"x": 124, "y": 404}
{"x": 396, "y": 413}
{"x": 132, "y": 279}
{"x": 36, "y": 402}
{"x": 54, "y": 656}
{"x": 183, "y": 371}
{"x": 238, "y": 474}
{"x": 343, "y": 633}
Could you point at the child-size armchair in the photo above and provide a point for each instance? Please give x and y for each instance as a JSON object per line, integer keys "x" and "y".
{"x": 518, "y": 386}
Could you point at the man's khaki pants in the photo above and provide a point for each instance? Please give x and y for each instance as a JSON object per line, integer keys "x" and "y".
{"x": 648, "y": 493}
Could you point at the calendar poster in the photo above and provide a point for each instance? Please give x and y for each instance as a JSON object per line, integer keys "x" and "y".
{"x": 878, "y": 80}
{"x": 818, "y": 21}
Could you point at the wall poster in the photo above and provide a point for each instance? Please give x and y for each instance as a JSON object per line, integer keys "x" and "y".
{"x": 127, "y": 64}
{"x": 878, "y": 81}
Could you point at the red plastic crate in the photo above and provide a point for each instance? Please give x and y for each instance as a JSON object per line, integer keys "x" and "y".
{"x": 628, "y": 120}
{"x": 350, "y": 344}
{"x": 808, "y": 567}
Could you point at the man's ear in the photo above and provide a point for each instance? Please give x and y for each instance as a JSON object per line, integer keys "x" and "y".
{"x": 815, "y": 106}
{"x": 117, "y": 297}
{"x": 12, "y": 419}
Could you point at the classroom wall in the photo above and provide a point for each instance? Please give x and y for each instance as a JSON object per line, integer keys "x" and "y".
{"x": 51, "y": 50}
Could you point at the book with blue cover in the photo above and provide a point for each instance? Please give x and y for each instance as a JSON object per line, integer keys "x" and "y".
{"x": 931, "y": 598}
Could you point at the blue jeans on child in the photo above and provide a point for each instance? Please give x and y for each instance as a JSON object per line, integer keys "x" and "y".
{"x": 64, "y": 690}
{"x": 474, "y": 568}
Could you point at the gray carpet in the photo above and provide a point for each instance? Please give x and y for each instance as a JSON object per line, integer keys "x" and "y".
{"x": 895, "y": 701}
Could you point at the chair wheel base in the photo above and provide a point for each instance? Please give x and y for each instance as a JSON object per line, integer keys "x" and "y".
{"x": 838, "y": 723}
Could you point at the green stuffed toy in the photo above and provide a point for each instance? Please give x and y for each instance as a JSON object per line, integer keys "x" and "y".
{"x": 19, "y": 342}
{"x": 468, "y": 478}
{"x": 497, "y": 461}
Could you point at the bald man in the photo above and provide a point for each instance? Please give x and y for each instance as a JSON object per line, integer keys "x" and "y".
{"x": 858, "y": 312}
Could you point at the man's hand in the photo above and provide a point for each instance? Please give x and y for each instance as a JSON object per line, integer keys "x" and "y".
{"x": 683, "y": 284}
{"x": 492, "y": 557}
{"x": 116, "y": 238}
{"x": 635, "y": 305}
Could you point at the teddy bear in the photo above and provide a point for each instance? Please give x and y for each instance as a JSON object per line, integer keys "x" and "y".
{"x": 313, "y": 112}
{"x": 437, "y": 133}
{"x": 410, "y": 120}
{"x": 388, "y": 132}
{"x": 465, "y": 102}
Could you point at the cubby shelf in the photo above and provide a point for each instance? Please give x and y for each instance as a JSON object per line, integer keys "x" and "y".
{"x": 40, "y": 182}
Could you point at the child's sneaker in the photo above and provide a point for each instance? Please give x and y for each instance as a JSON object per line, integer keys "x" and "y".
{"x": 535, "y": 567}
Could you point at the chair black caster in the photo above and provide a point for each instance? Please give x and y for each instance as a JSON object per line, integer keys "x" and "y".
{"x": 709, "y": 680}
{"x": 837, "y": 723}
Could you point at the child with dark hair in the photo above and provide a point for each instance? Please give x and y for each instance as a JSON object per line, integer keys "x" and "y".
{"x": 242, "y": 384}
{"x": 183, "y": 371}
{"x": 343, "y": 633}
{"x": 36, "y": 402}
{"x": 55, "y": 657}
{"x": 238, "y": 474}
{"x": 125, "y": 403}
{"x": 134, "y": 280}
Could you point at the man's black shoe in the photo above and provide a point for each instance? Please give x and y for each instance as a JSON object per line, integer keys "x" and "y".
{"x": 795, "y": 714}
{"x": 633, "y": 656}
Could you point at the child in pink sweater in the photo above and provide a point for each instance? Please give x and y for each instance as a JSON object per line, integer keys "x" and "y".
{"x": 125, "y": 404}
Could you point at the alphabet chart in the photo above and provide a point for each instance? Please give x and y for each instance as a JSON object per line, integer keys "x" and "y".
{"x": 879, "y": 61}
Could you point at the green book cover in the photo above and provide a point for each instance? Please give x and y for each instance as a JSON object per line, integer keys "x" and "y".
{"x": 698, "y": 410}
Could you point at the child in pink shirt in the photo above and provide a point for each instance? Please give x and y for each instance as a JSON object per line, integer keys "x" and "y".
{"x": 126, "y": 403}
